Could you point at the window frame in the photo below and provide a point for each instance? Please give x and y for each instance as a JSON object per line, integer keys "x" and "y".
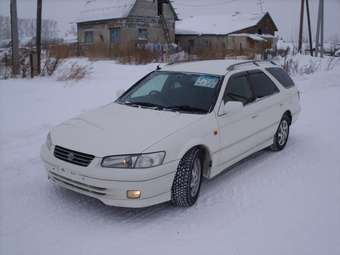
{"x": 116, "y": 41}
{"x": 237, "y": 75}
{"x": 246, "y": 74}
{"x": 86, "y": 33}
{"x": 253, "y": 85}
{"x": 269, "y": 70}
{"x": 142, "y": 34}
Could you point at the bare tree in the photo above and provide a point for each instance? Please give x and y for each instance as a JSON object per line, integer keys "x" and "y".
{"x": 38, "y": 36}
{"x": 15, "y": 38}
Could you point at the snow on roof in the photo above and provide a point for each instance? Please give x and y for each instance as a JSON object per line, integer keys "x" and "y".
{"x": 216, "y": 67}
{"x": 217, "y": 24}
{"x": 255, "y": 37}
{"x": 105, "y": 9}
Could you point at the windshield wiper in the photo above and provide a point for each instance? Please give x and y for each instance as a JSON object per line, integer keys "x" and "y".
{"x": 186, "y": 108}
{"x": 145, "y": 104}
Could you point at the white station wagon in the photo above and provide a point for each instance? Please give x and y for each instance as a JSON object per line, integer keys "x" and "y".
{"x": 175, "y": 126}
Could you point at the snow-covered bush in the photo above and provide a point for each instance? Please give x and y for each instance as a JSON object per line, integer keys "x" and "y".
{"x": 73, "y": 69}
{"x": 305, "y": 64}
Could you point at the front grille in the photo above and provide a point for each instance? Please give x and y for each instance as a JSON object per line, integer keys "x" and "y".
{"x": 74, "y": 157}
{"x": 77, "y": 185}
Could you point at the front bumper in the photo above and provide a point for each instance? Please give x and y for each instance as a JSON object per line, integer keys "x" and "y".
{"x": 111, "y": 185}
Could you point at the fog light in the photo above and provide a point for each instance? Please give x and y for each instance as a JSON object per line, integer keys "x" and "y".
{"x": 134, "y": 194}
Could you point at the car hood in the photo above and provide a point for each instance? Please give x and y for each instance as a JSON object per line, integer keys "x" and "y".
{"x": 119, "y": 129}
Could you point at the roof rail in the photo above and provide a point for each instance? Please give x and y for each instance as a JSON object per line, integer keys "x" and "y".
{"x": 184, "y": 61}
{"x": 254, "y": 62}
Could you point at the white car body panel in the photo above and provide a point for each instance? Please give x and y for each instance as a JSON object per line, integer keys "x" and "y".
{"x": 119, "y": 130}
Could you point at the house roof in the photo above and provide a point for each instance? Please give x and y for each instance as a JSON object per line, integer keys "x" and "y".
{"x": 95, "y": 10}
{"x": 218, "y": 24}
{"x": 105, "y": 9}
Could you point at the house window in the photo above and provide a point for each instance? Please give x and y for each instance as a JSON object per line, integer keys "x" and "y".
{"x": 115, "y": 35}
{"x": 88, "y": 37}
{"x": 142, "y": 34}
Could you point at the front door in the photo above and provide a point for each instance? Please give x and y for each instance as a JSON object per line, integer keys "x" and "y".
{"x": 237, "y": 129}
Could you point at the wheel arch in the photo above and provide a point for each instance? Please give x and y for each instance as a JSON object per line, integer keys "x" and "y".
{"x": 288, "y": 113}
{"x": 205, "y": 155}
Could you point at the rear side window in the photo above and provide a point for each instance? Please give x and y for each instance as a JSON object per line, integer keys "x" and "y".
{"x": 262, "y": 85}
{"x": 282, "y": 76}
{"x": 238, "y": 89}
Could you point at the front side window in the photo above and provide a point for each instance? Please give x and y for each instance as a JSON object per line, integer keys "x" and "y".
{"x": 261, "y": 84}
{"x": 115, "y": 35}
{"x": 282, "y": 76}
{"x": 88, "y": 37}
{"x": 238, "y": 89}
{"x": 187, "y": 92}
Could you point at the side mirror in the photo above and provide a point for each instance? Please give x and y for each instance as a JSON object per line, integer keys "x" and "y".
{"x": 231, "y": 107}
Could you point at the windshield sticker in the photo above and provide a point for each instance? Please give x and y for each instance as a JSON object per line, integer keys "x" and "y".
{"x": 206, "y": 81}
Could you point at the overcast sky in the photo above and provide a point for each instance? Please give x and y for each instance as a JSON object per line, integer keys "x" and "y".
{"x": 284, "y": 12}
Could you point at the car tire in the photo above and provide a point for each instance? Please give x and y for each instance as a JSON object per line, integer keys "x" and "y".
{"x": 187, "y": 183}
{"x": 282, "y": 134}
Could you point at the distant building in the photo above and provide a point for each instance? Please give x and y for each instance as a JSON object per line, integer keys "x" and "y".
{"x": 112, "y": 23}
{"x": 122, "y": 22}
{"x": 234, "y": 33}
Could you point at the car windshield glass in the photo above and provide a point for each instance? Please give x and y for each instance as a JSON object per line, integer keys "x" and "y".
{"x": 174, "y": 91}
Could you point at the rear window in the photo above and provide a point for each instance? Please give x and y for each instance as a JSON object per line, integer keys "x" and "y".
{"x": 282, "y": 76}
{"x": 262, "y": 85}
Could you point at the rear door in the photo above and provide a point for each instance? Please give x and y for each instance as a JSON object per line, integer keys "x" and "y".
{"x": 268, "y": 104}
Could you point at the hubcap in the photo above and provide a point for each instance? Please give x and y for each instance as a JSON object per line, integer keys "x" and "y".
{"x": 283, "y": 132}
{"x": 195, "y": 177}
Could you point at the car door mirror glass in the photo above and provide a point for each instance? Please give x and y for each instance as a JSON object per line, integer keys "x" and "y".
{"x": 231, "y": 107}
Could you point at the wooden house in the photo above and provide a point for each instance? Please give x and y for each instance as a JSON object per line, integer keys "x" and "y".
{"x": 120, "y": 22}
{"x": 236, "y": 33}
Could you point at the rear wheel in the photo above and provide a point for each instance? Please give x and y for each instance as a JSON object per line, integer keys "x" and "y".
{"x": 282, "y": 134}
{"x": 187, "y": 183}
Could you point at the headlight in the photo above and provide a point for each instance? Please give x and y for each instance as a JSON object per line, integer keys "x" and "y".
{"x": 134, "y": 161}
{"x": 49, "y": 143}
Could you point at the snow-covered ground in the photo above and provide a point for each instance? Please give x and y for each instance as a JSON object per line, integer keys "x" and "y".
{"x": 272, "y": 203}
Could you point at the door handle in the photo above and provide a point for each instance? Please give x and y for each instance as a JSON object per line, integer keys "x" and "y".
{"x": 254, "y": 116}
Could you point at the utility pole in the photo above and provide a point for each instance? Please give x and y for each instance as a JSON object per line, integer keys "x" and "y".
{"x": 319, "y": 45}
{"x": 309, "y": 29}
{"x": 15, "y": 38}
{"x": 302, "y": 12}
{"x": 38, "y": 35}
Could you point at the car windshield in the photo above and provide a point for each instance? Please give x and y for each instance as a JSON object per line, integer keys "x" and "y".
{"x": 174, "y": 91}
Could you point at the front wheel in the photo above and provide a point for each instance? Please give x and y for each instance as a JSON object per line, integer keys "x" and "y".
{"x": 187, "y": 182}
{"x": 282, "y": 134}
